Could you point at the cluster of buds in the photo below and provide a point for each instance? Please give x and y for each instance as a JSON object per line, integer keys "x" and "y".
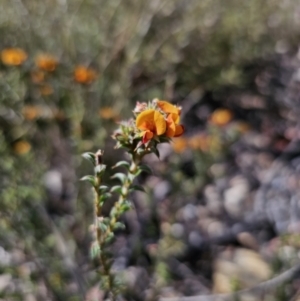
{"x": 154, "y": 122}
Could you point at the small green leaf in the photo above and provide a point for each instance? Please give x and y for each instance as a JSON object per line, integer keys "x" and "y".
{"x": 126, "y": 205}
{"x": 116, "y": 188}
{"x": 137, "y": 187}
{"x": 138, "y": 172}
{"x": 103, "y": 188}
{"x": 132, "y": 176}
{"x": 122, "y": 163}
{"x": 90, "y": 157}
{"x": 109, "y": 237}
{"x": 104, "y": 197}
{"x": 106, "y": 220}
{"x": 95, "y": 250}
{"x": 119, "y": 176}
{"x": 91, "y": 179}
{"x": 119, "y": 225}
{"x": 145, "y": 168}
{"x": 102, "y": 226}
{"x": 99, "y": 169}
{"x": 113, "y": 212}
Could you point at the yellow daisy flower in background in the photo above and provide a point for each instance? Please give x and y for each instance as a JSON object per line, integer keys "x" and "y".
{"x": 46, "y": 62}
{"x": 31, "y": 112}
{"x": 221, "y": 117}
{"x": 13, "y": 56}
{"x": 84, "y": 75}
{"x": 180, "y": 145}
{"x": 108, "y": 113}
{"x": 199, "y": 142}
{"x": 21, "y": 147}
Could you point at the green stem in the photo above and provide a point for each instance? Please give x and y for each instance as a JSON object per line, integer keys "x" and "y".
{"x": 117, "y": 208}
{"x": 104, "y": 260}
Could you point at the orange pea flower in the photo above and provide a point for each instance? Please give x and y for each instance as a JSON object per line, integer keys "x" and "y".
{"x": 46, "y": 62}
{"x": 84, "y": 75}
{"x": 151, "y": 123}
{"x": 174, "y": 129}
{"x": 13, "y": 56}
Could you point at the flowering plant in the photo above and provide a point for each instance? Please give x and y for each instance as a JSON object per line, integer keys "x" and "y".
{"x": 153, "y": 123}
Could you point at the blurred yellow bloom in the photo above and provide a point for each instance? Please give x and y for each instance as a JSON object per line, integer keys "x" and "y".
{"x": 199, "y": 142}
{"x": 21, "y": 147}
{"x": 180, "y": 145}
{"x": 46, "y": 90}
{"x": 37, "y": 76}
{"x": 46, "y": 62}
{"x": 108, "y": 113}
{"x": 13, "y": 56}
{"x": 221, "y": 117}
{"x": 84, "y": 75}
{"x": 151, "y": 122}
{"x": 31, "y": 112}
{"x": 243, "y": 127}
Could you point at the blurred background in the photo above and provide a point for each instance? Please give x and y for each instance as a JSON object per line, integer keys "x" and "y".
{"x": 222, "y": 208}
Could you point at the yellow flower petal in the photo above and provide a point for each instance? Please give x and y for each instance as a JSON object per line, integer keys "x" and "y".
{"x": 171, "y": 126}
{"x": 174, "y": 129}
{"x": 145, "y": 120}
{"x": 179, "y": 130}
{"x": 160, "y": 123}
{"x": 147, "y": 135}
{"x": 175, "y": 117}
{"x": 168, "y": 107}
